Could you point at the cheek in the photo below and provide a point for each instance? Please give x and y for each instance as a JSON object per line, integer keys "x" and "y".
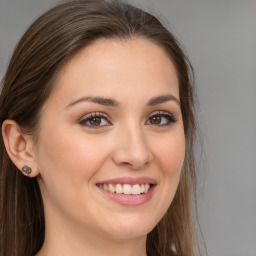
{"x": 67, "y": 164}
{"x": 67, "y": 153}
{"x": 170, "y": 154}
{"x": 65, "y": 161}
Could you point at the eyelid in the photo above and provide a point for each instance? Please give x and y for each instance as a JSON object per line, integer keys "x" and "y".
{"x": 163, "y": 113}
{"x": 91, "y": 115}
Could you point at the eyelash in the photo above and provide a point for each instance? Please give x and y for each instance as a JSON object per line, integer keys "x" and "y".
{"x": 102, "y": 116}
{"x": 89, "y": 118}
{"x": 163, "y": 114}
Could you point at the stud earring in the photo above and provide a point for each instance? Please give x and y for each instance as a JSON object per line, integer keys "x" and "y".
{"x": 26, "y": 169}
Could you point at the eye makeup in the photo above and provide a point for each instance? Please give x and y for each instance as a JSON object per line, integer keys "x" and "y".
{"x": 161, "y": 118}
{"x": 95, "y": 120}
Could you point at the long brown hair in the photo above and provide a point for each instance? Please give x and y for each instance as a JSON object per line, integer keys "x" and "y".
{"x": 47, "y": 45}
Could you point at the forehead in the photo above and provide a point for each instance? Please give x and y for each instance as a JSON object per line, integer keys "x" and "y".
{"x": 109, "y": 64}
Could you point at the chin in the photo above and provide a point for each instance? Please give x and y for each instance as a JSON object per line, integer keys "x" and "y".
{"x": 131, "y": 227}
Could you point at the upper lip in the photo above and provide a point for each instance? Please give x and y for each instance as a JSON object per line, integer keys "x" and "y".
{"x": 129, "y": 180}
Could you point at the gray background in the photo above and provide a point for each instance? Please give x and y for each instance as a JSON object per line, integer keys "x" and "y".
{"x": 220, "y": 38}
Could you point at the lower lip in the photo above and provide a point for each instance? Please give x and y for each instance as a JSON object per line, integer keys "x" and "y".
{"x": 130, "y": 200}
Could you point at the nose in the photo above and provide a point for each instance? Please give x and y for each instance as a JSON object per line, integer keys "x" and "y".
{"x": 131, "y": 149}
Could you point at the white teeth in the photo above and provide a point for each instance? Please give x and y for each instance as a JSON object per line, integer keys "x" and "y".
{"x": 126, "y": 189}
{"x": 119, "y": 189}
{"x": 142, "y": 188}
{"x": 105, "y": 187}
{"x": 147, "y": 186}
{"x": 136, "y": 189}
{"x": 111, "y": 188}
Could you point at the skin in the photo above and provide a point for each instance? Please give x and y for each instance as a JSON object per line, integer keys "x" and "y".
{"x": 71, "y": 157}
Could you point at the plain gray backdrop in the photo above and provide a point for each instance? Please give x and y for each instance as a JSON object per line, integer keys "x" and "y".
{"x": 220, "y": 39}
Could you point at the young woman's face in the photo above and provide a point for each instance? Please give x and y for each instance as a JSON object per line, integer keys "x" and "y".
{"x": 111, "y": 142}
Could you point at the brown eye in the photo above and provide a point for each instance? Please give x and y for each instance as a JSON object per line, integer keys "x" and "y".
{"x": 155, "y": 119}
{"x": 95, "y": 121}
{"x": 161, "y": 118}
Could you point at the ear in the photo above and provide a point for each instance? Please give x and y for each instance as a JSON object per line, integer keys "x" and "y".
{"x": 19, "y": 147}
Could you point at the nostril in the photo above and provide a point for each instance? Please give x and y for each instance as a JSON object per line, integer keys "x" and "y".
{"x": 126, "y": 163}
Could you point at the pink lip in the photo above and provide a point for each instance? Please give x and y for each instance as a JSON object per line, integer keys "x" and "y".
{"x": 129, "y": 180}
{"x": 129, "y": 200}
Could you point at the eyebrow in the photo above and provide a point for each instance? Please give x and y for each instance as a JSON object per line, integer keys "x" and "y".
{"x": 98, "y": 100}
{"x": 113, "y": 103}
{"x": 162, "y": 99}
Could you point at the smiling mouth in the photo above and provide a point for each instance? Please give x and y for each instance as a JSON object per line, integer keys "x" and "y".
{"x": 126, "y": 189}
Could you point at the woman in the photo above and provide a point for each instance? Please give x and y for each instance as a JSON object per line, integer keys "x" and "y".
{"x": 97, "y": 136}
